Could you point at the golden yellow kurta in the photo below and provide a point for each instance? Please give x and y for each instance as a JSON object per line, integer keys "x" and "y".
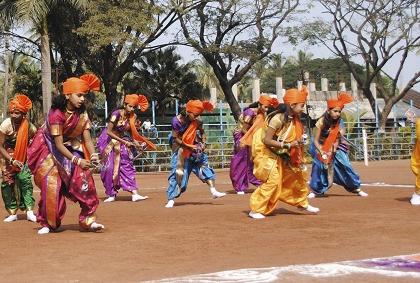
{"x": 281, "y": 182}
{"x": 415, "y": 157}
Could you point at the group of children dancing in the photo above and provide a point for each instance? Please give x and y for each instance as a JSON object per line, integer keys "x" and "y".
{"x": 269, "y": 145}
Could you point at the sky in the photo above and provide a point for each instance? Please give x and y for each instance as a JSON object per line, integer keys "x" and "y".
{"x": 412, "y": 64}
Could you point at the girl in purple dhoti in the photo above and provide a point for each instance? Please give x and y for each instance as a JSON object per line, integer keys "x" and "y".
{"x": 116, "y": 144}
{"x": 241, "y": 166}
{"x": 60, "y": 156}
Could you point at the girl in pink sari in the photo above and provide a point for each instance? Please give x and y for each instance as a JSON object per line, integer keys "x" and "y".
{"x": 60, "y": 157}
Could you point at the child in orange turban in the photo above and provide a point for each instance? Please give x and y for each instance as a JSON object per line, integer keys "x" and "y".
{"x": 277, "y": 151}
{"x": 117, "y": 143}
{"x": 329, "y": 151}
{"x": 251, "y": 119}
{"x": 61, "y": 156}
{"x": 15, "y": 133}
{"x": 188, "y": 144}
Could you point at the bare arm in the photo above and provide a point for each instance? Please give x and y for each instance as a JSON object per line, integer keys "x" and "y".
{"x": 88, "y": 142}
{"x": 316, "y": 140}
{"x": 3, "y": 150}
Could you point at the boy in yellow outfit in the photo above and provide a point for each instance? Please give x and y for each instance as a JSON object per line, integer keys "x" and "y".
{"x": 415, "y": 165}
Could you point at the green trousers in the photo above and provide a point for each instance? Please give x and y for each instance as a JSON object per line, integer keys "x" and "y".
{"x": 18, "y": 195}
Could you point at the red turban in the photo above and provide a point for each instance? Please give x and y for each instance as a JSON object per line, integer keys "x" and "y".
{"x": 197, "y": 106}
{"x": 137, "y": 100}
{"x": 343, "y": 98}
{"x": 21, "y": 103}
{"x": 84, "y": 84}
{"x": 295, "y": 96}
{"x": 266, "y": 100}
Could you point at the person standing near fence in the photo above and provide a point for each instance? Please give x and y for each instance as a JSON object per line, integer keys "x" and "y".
{"x": 60, "y": 157}
{"x": 116, "y": 145}
{"x": 415, "y": 166}
{"x": 15, "y": 134}
{"x": 278, "y": 156}
{"x": 241, "y": 166}
{"x": 329, "y": 151}
{"x": 188, "y": 142}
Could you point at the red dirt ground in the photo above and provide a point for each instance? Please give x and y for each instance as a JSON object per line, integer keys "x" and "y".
{"x": 145, "y": 241}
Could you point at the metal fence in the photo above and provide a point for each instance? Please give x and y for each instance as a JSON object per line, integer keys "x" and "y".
{"x": 394, "y": 143}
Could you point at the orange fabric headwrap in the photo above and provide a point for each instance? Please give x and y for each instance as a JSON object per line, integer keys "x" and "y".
{"x": 132, "y": 99}
{"x": 343, "y": 98}
{"x": 295, "y": 96}
{"x": 197, "y": 106}
{"x": 21, "y": 103}
{"x": 81, "y": 85}
{"x": 266, "y": 100}
{"x": 137, "y": 100}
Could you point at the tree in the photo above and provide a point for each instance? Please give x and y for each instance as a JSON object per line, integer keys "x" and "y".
{"x": 27, "y": 80}
{"x": 205, "y": 75}
{"x": 379, "y": 32}
{"x": 111, "y": 37}
{"x": 159, "y": 76}
{"x": 233, "y": 35}
{"x": 35, "y": 12}
{"x": 301, "y": 62}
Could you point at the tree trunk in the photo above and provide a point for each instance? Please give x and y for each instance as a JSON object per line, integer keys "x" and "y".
{"x": 231, "y": 100}
{"x": 385, "y": 113}
{"x": 6, "y": 78}
{"x": 112, "y": 97}
{"x": 45, "y": 68}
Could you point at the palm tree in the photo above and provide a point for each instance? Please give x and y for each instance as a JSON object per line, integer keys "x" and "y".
{"x": 301, "y": 61}
{"x": 205, "y": 75}
{"x": 35, "y": 13}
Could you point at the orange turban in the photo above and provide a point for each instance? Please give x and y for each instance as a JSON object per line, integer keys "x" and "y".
{"x": 132, "y": 99}
{"x": 143, "y": 103}
{"x": 84, "y": 84}
{"x": 21, "y": 103}
{"x": 295, "y": 96}
{"x": 343, "y": 98}
{"x": 266, "y": 100}
{"x": 137, "y": 100}
{"x": 197, "y": 106}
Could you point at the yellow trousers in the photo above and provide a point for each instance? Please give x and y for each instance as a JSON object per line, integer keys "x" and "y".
{"x": 283, "y": 184}
{"x": 415, "y": 157}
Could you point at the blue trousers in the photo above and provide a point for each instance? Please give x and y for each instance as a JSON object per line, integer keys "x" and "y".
{"x": 344, "y": 174}
{"x": 199, "y": 167}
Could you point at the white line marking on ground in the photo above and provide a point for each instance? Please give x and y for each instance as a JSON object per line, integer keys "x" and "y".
{"x": 379, "y": 184}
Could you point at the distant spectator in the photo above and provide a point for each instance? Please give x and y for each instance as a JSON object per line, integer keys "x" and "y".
{"x": 146, "y": 125}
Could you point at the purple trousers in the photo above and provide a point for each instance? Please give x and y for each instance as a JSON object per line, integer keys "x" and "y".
{"x": 241, "y": 166}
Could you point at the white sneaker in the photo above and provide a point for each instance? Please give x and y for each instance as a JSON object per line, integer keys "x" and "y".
{"x": 170, "y": 203}
{"x": 362, "y": 194}
{"x": 256, "y": 215}
{"x": 43, "y": 230}
{"x": 310, "y": 208}
{"x": 30, "y": 216}
{"x": 110, "y": 199}
{"x": 96, "y": 227}
{"x": 10, "y": 218}
{"x": 415, "y": 199}
{"x": 240, "y": 193}
{"x": 311, "y": 195}
{"x": 217, "y": 194}
{"x": 138, "y": 197}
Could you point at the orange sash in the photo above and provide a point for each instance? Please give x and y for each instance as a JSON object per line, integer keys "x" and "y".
{"x": 188, "y": 138}
{"x": 328, "y": 143}
{"x": 258, "y": 123}
{"x": 21, "y": 146}
{"x": 136, "y": 136}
